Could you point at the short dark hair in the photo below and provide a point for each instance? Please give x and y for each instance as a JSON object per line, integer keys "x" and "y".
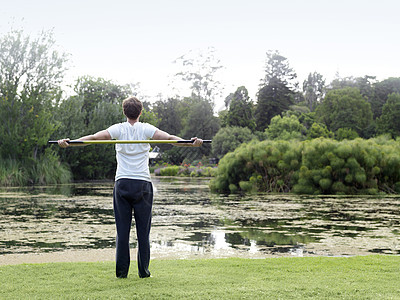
{"x": 132, "y": 107}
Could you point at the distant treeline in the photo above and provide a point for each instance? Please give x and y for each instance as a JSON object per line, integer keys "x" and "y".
{"x": 35, "y": 108}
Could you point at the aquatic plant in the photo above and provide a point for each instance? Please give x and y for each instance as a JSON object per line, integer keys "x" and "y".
{"x": 45, "y": 170}
{"x": 262, "y": 166}
{"x": 318, "y": 166}
{"x": 11, "y": 173}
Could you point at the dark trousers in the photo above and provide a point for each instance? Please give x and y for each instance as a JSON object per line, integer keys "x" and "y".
{"x": 137, "y": 196}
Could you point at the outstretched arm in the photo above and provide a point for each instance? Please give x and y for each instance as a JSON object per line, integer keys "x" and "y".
{"x": 162, "y": 135}
{"x": 101, "y": 135}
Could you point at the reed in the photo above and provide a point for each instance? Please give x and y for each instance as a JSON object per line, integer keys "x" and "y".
{"x": 46, "y": 170}
{"x": 12, "y": 173}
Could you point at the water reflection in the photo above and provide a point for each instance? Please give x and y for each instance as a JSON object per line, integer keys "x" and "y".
{"x": 189, "y": 220}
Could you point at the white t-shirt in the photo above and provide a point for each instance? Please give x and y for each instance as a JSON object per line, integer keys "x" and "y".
{"x": 132, "y": 159}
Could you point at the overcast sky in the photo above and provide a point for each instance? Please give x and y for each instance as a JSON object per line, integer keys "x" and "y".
{"x": 130, "y": 41}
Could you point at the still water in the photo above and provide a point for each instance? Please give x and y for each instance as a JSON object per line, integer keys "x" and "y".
{"x": 188, "y": 220}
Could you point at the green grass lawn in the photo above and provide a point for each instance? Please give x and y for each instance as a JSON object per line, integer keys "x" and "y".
{"x": 362, "y": 277}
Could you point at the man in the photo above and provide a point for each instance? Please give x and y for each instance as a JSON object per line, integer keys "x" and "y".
{"x": 133, "y": 190}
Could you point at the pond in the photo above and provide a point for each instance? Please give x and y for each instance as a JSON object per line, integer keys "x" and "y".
{"x": 188, "y": 220}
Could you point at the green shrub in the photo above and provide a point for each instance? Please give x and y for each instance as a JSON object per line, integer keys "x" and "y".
{"x": 325, "y": 183}
{"x": 169, "y": 171}
{"x": 346, "y": 134}
{"x": 285, "y": 128}
{"x": 233, "y": 188}
{"x": 186, "y": 170}
{"x": 269, "y": 165}
{"x": 318, "y": 166}
{"x": 246, "y": 186}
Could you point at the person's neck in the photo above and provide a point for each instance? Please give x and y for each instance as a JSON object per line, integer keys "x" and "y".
{"x": 132, "y": 121}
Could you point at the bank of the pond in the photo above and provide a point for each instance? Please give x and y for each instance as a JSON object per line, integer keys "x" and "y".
{"x": 108, "y": 255}
{"x": 369, "y": 277}
{"x": 50, "y": 171}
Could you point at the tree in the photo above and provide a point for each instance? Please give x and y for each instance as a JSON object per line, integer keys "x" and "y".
{"x": 31, "y": 73}
{"x": 149, "y": 116}
{"x": 389, "y": 121}
{"x": 170, "y": 118}
{"x": 277, "y": 89}
{"x": 227, "y": 139}
{"x": 240, "y": 112}
{"x": 345, "y": 108}
{"x": 196, "y": 118}
{"x": 199, "y": 70}
{"x": 314, "y": 90}
{"x": 365, "y": 84}
{"x": 95, "y": 107}
{"x": 307, "y": 119}
{"x": 170, "y": 115}
{"x": 346, "y": 134}
{"x": 277, "y": 68}
{"x": 273, "y": 99}
{"x": 96, "y": 90}
{"x": 285, "y": 128}
{"x": 222, "y": 117}
{"x": 340, "y": 83}
{"x": 318, "y": 130}
{"x": 200, "y": 121}
{"x": 382, "y": 91}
